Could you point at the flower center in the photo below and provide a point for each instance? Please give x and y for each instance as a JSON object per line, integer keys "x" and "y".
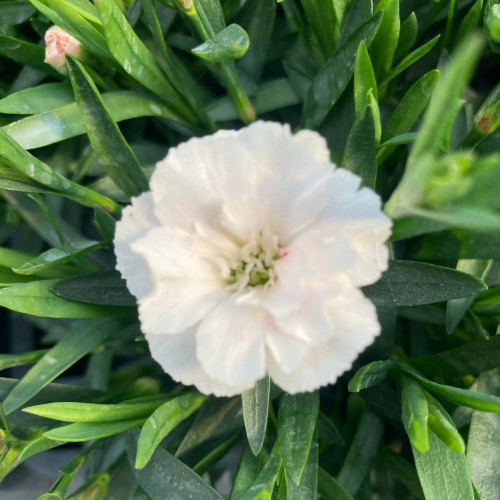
{"x": 255, "y": 263}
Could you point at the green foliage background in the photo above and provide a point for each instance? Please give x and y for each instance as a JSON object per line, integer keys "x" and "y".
{"x": 406, "y": 94}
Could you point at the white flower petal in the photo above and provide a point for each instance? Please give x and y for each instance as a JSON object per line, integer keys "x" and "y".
{"x": 137, "y": 219}
{"x": 176, "y": 305}
{"x": 356, "y": 327}
{"x": 231, "y": 345}
{"x": 176, "y": 354}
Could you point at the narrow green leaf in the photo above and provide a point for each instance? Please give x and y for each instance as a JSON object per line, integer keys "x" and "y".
{"x": 330, "y": 488}
{"x": 107, "y": 288}
{"x": 262, "y": 487}
{"x": 443, "y": 106}
{"x": 74, "y": 433}
{"x": 407, "y": 37}
{"x": 443, "y": 427}
{"x": 26, "y": 358}
{"x": 297, "y": 417}
{"x": 415, "y": 412}
{"x": 134, "y": 57}
{"x": 333, "y": 77}
{"x": 57, "y": 256}
{"x": 62, "y": 123}
{"x": 106, "y": 224}
{"x": 386, "y": 40}
{"x": 230, "y": 43}
{"x": 177, "y": 481}
{"x": 411, "y": 105}
{"x": 361, "y": 453}
{"x": 360, "y": 151}
{"x": 40, "y": 172}
{"x": 76, "y": 344}
{"x": 15, "y": 12}
{"x": 463, "y": 397}
{"x": 411, "y": 58}
{"x": 358, "y": 14}
{"x": 456, "y": 308}
{"x": 255, "y": 404}
{"x": 408, "y": 283}
{"x": 469, "y": 22}
{"x": 248, "y": 468}
{"x": 370, "y": 375}
{"x": 483, "y": 453}
{"x": 364, "y": 79}
{"x": 443, "y": 473}
{"x": 307, "y": 489}
{"x": 93, "y": 412}
{"x": 162, "y": 421}
{"x": 36, "y": 298}
{"x": 37, "y": 99}
{"x": 111, "y": 148}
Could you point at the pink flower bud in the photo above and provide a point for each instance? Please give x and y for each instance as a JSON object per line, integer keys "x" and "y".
{"x": 58, "y": 43}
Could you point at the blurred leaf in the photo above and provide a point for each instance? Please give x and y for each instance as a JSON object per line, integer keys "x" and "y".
{"x": 408, "y": 283}
{"x": 333, "y": 77}
{"x": 36, "y": 298}
{"x": 330, "y": 488}
{"x": 469, "y": 22}
{"x": 25, "y": 53}
{"x": 255, "y": 404}
{"x": 74, "y": 433}
{"x": 103, "y": 287}
{"x": 15, "y": 12}
{"x": 230, "y": 43}
{"x": 37, "y": 99}
{"x": 263, "y": 485}
{"x": 297, "y": 417}
{"x": 443, "y": 427}
{"x": 25, "y": 358}
{"x": 96, "y": 413}
{"x": 370, "y": 375}
{"x": 162, "y": 421}
{"x": 360, "y": 150}
{"x": 411, "y": 58}
{"x": 361, "y": 453}
{"x": 111, "y": 148}
{"x": 106, "y": 224}
{"x": 456, "y": 308}
{"x": 57, "y": 256}
{"x": 443, "y": 473}
{"x": 62, "y": 123}
{"x": 483, "y": 453}
{"x": 386, "y": 40}
{"x": 471, "y": 358}
{"x": 415, "y": 412}
{"x": 323, "y": 23}
{"x": 76, "y": 344}
{"x": 258, "y": 20}
{"x": 443, "y": 108}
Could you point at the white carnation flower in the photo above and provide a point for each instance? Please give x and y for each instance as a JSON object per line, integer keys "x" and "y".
{"x": 246, "y": 258}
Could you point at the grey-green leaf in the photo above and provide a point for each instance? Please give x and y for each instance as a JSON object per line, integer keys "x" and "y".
{"x": 255, "y": 404}
{"x": 408, "y": 283}
{"x": 111, "y": 148}
{"x": 230, "y": 43}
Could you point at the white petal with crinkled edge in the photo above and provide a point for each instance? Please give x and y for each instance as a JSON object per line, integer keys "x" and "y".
{"x": 178, "y": 304}
{"x": 230, "y": 342}
{"x": 197, "y": 177}
{"x": 355, "y": 327}
{"x": 176, "y": 354}
{"x": 137, "y": 219}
